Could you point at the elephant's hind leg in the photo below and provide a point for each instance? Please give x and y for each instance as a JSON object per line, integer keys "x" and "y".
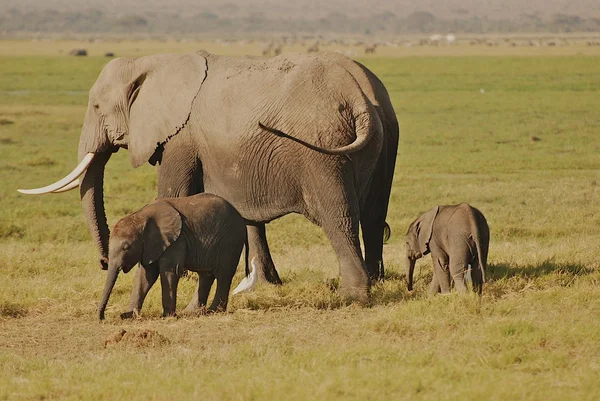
{"x": 374, "y": 210}
{"x": 457, "y": 270}
{"x": 372, "y": 233}
{"x": 219, "y": 303}
{"x": 434, "y": 287}
{"x": 443, "y": 277}
{"x": 476, "y": 277}
{"x": 200, "y": 298}
{"x": 259, "y": 251}
{"x": 341, "y": 227}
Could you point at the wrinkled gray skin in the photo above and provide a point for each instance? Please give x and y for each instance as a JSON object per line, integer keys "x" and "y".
{"x": 457, "y": 236}
{"x": 201, "y": 233}
{"x": 197, "y": 116}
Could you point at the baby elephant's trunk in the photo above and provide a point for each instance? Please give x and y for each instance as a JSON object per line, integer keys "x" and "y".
{"x": 410, "y": 269}
{"x": 111, "y": 279}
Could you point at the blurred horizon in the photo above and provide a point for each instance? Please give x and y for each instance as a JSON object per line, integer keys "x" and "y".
{"x": 234, "y": 18}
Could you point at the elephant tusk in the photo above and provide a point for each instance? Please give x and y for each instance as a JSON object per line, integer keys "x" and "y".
{"x": 78, "y": 171}
{"x": 68, "y": 187}
{"x": 249, "y": 282}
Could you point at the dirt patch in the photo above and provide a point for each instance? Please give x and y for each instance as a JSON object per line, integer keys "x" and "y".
{"x": 137, "y": 338}
{"x": 6, "y": 121}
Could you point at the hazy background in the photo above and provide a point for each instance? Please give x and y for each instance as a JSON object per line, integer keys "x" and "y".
{"x": 313, "y": 17}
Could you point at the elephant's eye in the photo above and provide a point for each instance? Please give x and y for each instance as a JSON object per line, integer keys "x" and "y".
{"x": 96, "y": 106}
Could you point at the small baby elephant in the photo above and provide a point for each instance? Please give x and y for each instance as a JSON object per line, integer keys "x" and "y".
{"x": 202, "y": 233}
{"x": 458, "y": 238}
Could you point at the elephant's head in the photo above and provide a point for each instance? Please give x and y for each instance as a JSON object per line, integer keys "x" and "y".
{"x": 141, "y": 237}
{"x": 417, "y": 241}
{"x": 136, "y": 104}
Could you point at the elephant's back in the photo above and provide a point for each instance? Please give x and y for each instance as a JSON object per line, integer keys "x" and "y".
{"x": 208, "y": 212}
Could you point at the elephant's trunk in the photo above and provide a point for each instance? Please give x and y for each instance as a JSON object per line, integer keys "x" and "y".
{"x": 410, "y": 269}
{"x": 92, "y": 200}
{"x": 111, "y": 279}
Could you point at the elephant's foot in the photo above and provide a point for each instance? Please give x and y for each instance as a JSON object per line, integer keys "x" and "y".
{"x": 132, "y": 314}
{"x": 376, "y": 270}
{"x": 359, "y": 295}
{"x": 267, "y": 271}
{"x": 260, "y": 253}
{"x": 170, "y": 314}
{"x": 194, "y": 310}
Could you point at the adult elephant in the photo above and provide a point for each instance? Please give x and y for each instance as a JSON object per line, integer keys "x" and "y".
{"x": 310, "y": 134}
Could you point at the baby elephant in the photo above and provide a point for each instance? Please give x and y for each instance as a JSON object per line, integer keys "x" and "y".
{"x": 458, "y": 238}
{"x": 202, "y": 233}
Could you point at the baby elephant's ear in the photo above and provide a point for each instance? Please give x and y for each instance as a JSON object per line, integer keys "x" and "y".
{"x": 425, "y": 229}
{"x": 163, "y": 227}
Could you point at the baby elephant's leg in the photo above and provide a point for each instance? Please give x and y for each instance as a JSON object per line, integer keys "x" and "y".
{"x": 145, "y": 277}
{"x": 222, "y": 294}
{"x": 457, "y": 270}
{"x": 200, "y": 298}
{"x": 476, "y": 277}
{"x": 169, "y": 279}
{"x": 440, "y": 268}
{"x": 434, "y": 287}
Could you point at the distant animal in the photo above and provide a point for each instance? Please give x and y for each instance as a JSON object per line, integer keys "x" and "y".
{"x": 78, "y": 52}
{"x": 457, "y": 236}
{"x": 202, "y": 233}
{"x": 277, "y": 51}
{"x": 109, "y": 54}
{"x": 371, "y": 49}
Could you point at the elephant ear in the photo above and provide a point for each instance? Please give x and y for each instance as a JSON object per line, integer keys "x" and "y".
{"x": 425, "y": 229}
{"x": 162, "y": 228}
{"x": 161, "y": 99}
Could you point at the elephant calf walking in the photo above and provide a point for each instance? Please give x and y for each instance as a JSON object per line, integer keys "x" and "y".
{"x": 202, "y": 233}
{"x": 458, "y": 238}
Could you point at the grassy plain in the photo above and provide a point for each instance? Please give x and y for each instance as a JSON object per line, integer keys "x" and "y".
{"x": 467, "y": 125}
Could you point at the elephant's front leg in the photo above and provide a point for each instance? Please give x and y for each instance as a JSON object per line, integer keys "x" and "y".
{"x": 169, "y": 280}
{"x": 144, "y": 280}
{"x": 259, "y": 251}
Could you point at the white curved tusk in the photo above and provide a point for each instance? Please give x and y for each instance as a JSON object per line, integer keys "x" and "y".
{"x": 80, "y": 169}
{"x": 68, "y": 187}
{"x": 249, "y": 282}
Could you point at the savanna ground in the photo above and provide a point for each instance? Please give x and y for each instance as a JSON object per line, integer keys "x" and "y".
{"x": 515, "y": 136}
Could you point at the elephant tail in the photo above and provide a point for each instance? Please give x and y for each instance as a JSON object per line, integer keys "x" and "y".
{"x": 479, "y": 259}
{"x": 246, "y": 254}
{"x": 387, "y": 232}
{"x": 481, "y": 241}
{"x": 366, "y": 126}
